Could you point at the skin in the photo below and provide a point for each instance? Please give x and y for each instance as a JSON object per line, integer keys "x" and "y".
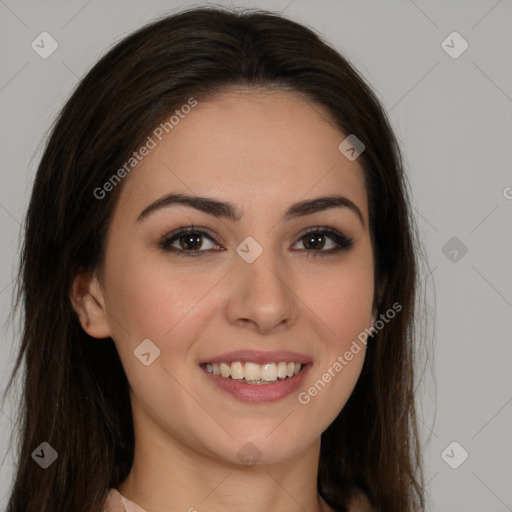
{"x": 262, "y": 151}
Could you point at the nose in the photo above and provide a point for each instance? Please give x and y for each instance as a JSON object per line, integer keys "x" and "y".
{"x": 261, "y": 297}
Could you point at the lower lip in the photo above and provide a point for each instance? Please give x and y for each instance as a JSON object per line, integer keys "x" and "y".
{"x": 259, "y": 393}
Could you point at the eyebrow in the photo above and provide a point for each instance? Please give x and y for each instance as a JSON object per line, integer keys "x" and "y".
{"x": 227, "y": 210}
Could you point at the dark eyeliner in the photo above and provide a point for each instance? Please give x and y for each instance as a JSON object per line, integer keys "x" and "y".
{"x": 343, "y": 242}
{"x": 169, "y": 238}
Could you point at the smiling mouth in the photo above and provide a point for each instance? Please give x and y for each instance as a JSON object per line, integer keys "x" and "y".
{"x": 253, "y": 373}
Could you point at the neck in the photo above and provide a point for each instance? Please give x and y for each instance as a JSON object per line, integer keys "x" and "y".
{"x": 168, "y": 475}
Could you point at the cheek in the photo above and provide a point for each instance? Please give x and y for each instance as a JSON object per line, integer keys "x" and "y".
{"x": 344, "y": 302}
{"x": 167, "y": 305}
{"x": 344, "y": 305}
{"x": 346, "y": 310}
{"x": 151, "y": 301}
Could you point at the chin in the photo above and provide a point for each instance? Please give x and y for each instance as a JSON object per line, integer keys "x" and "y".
{"x": 254, "y": 450}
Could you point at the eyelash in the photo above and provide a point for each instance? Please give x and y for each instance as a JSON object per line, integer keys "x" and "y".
{"x": 343, "y": 242}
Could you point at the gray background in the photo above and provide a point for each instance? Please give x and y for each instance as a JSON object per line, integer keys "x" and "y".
{"x": 453, "y": 118}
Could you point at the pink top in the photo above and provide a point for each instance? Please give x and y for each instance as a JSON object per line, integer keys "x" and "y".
{"x": 116, "y": 502}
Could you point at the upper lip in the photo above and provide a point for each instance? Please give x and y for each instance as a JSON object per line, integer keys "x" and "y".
{"x": 258, "y": 356}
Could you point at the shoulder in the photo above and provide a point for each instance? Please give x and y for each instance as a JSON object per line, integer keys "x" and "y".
{"x": 117, "y": 503}
{"x": 113, "y": 502}
{"x": 361, "y": 503}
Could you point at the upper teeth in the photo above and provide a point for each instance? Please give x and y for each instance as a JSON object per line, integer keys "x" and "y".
{"x": 253, "y": 371}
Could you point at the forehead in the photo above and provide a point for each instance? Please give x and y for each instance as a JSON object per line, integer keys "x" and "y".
{"x": 256, "y": 148}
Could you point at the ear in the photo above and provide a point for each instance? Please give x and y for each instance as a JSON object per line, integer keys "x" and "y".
{"x": 373, "y": 317}
{"x": 377, "y": 300}
{"x": 88, "y": 301}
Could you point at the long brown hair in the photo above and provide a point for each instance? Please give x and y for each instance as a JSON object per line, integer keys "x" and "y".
{"x": 75, "y": 392}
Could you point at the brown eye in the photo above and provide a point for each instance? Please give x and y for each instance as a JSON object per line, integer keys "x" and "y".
{"x": 188, "y": 242}
{"x": 318, "y": 239}
{"x": 314, "y": 241}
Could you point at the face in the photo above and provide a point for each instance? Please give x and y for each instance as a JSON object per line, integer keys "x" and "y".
{"x": 250, "y": 288}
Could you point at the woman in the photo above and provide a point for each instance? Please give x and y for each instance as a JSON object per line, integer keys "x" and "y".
{"x": 218, "y": 280}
